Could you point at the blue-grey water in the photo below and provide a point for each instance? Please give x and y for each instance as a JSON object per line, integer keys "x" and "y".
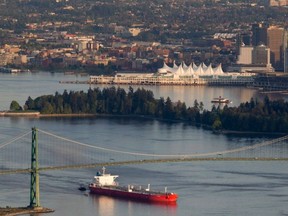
{"x": 204, "y": 187}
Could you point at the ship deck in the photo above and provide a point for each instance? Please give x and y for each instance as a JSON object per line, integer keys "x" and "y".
{"x": 136, "y": 189}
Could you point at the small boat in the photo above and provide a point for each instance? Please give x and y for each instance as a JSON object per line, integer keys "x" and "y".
{"x": 220, "y": 100}
{"x": 104, "y": 184}
{"x": 82, "y": 187}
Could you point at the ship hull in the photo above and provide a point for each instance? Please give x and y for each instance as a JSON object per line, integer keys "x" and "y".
{"x": 144, "y": 196}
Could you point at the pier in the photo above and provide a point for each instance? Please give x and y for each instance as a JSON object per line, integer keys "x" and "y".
{"x": 271, "y": 83}
{"x": 143, "y": 80}
{"x": 148, "y": 79}
{"x": 163, "y": 81}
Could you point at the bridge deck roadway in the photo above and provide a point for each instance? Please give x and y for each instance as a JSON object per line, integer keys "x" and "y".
{"x": 174, "y": 160}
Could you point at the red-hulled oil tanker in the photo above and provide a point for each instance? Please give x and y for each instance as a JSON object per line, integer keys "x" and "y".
{"x": 105, "y": 184}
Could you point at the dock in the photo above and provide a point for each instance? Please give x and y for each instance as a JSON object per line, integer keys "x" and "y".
{"x": 74, "y": 82}
{"x": 162, "y": 80}
{"x": 150, "y": 79}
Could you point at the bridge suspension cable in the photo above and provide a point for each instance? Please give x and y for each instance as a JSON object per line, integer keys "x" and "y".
{"x": 71, "y": 154}
{"x": 265, "y": 143}
{"x": 15, "y": 139}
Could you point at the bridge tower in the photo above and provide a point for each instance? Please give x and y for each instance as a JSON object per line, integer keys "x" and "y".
{"x": 34, "y": 183}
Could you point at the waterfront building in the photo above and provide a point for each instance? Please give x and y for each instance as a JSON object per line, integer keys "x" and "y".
{"x": 179, "y": 75}
{"x": 192, "y": 70}
{"x": 252, "y": 68}
{"x": 275, "y": 43}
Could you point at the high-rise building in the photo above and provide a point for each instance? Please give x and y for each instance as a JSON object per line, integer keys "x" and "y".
{"x": 253, "y": 59}
{"x": 275, "y": 43}
{"x": 261, "y": 55}
{"x": 243, "y": 39}
{"x": 246, "y": 39}
{"x": 245, "y": 55}
{"x": 286, "y": 61}
{"x": 259, "y": 34}
{"x": 285, "y": 49}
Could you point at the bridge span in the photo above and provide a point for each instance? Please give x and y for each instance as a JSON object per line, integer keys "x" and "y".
{"x": 168, "y": 160}
{"x": 58, "y": 153}
{"x": 53, "y": 152}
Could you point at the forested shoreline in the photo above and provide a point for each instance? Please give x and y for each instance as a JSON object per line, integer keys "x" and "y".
{"x": 254, "y": 116}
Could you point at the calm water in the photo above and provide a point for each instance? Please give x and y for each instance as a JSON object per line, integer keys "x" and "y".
{"x": 19, "y": 86}
{"x": 205, "y": 188}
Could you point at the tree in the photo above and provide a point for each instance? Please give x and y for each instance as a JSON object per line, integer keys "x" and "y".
{"x": 196, "y": 105}
{"x": 217, "y": 125}
{"x": 14, "y": 106}
{"x": 29, "y": 105}
{"x": 47, "y": 108}
{"x": 168, "y": 109}
{"x": 201, "y": 106}
{"x": 259, "y": 116}
{"x": 160, "y": 107}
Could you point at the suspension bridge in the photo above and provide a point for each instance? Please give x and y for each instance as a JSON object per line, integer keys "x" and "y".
{"x": 37, "y": 151}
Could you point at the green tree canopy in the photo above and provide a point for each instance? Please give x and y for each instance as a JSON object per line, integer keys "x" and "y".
{"x": 259, "y": 116}
{"x": 14, "y": 106}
